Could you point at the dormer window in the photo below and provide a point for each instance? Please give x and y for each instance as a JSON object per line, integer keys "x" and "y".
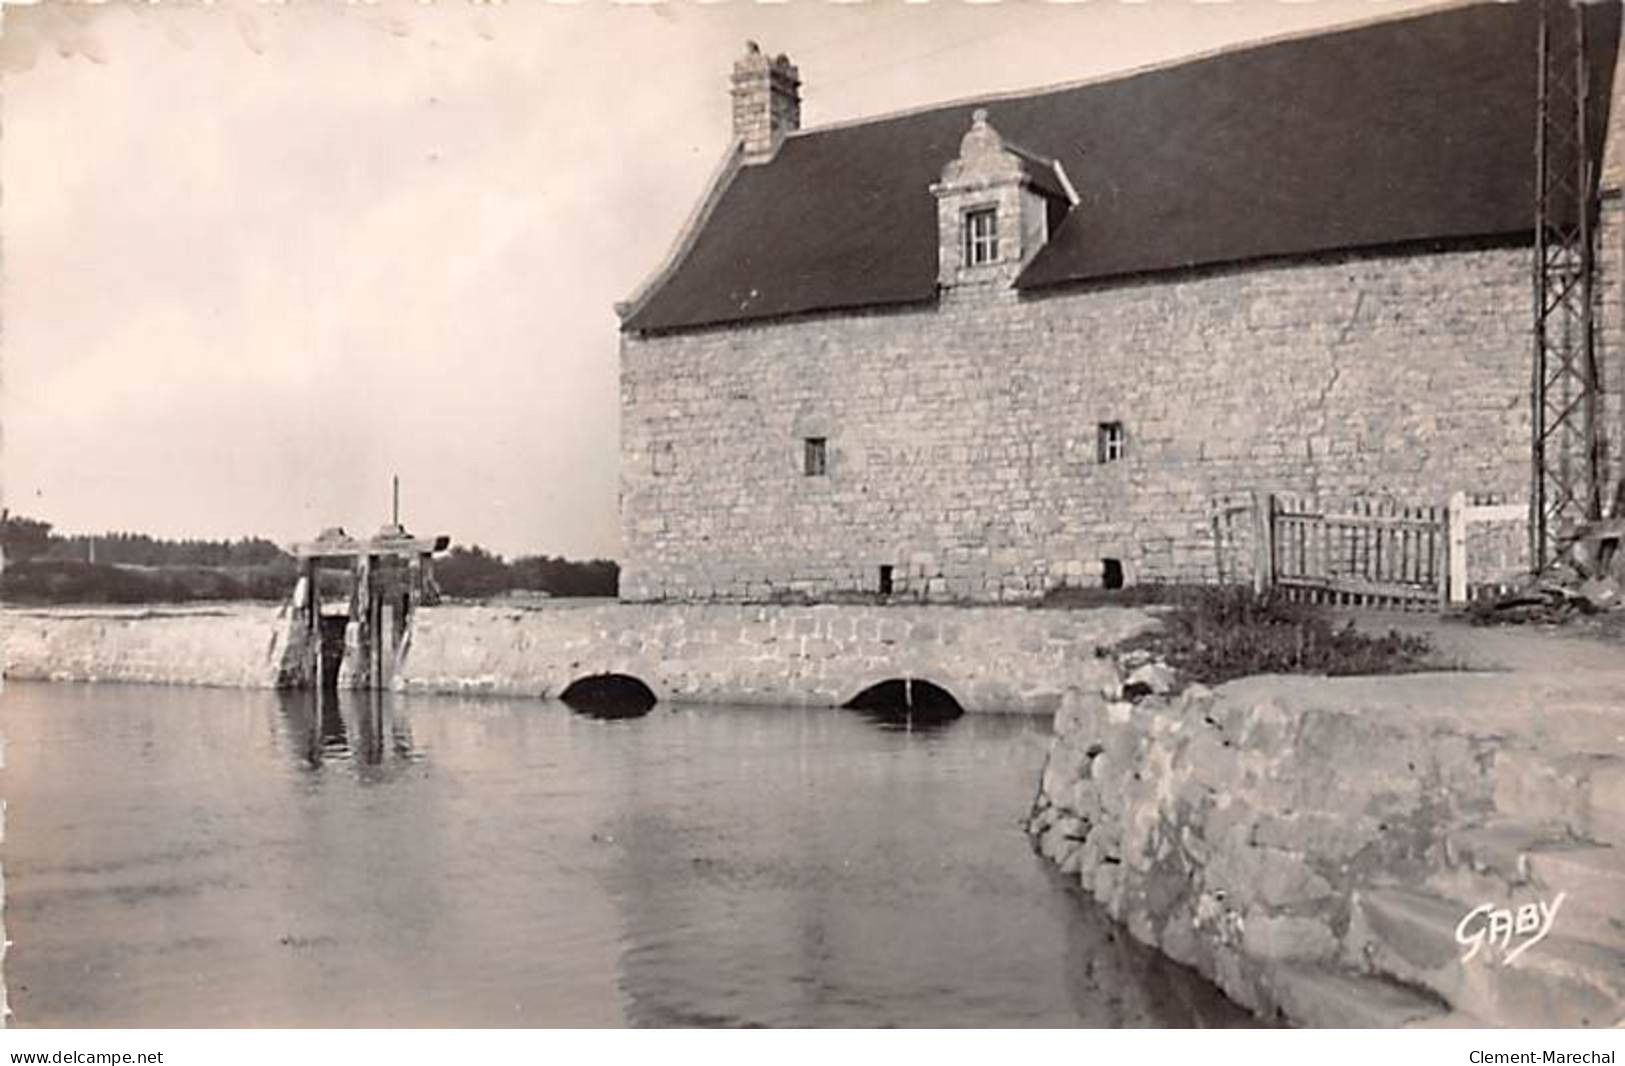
{"x": 981, "y": 236}
{"x": 996, "y": 206}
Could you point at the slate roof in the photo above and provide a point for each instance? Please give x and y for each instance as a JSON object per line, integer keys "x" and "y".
{"x": 1417, "y": 129}
{"x": 1040, "y": 171}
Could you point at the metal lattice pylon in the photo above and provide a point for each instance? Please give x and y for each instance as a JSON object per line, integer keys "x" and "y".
{"x": 1566, "y": 481}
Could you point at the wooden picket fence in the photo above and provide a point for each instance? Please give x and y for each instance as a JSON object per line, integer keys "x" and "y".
{"x": 1351, "y": 553}
{"x": 1362, "y": 554}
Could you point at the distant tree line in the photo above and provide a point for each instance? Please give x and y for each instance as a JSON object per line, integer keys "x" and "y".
{"x": 29, "y": 538}
{"x": 475, "y": 573}
{"x": 42, "y": 566}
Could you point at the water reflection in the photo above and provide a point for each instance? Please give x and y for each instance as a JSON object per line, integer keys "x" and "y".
{"x": 907, "y": 705}
{"x": 609, "y": 712}
{"x": 1114, "y": 981}
{"x": 809, "y": 877}
{"x": 888, "y": 721}
{"x": 364, "y": 728}
{"x": 232, "y": 861}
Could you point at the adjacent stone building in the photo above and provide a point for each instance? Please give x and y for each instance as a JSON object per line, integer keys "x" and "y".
{"x": 978, "y": 351}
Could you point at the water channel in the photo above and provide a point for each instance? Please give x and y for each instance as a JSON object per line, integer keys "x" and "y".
{"x": 209, "y": 857}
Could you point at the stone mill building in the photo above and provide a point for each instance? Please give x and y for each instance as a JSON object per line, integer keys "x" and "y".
{"x": 976, "y": 351}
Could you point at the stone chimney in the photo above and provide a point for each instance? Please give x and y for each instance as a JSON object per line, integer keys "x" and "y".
{"x": 767, "y": 102}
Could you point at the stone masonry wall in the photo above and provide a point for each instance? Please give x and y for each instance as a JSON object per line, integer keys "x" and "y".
{"x": 1609, "y": 330}
{"x": 236, "y": 645}
{"x": 1312, "y": 845}
{"x": 989, "y": 659}
{"x": 962, "y": 439}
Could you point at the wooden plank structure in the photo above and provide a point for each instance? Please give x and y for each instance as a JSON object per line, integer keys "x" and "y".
{"x": 393, "y": 575}
{"x": 1351, "y": 553}
{"x": 1362, "y": 553}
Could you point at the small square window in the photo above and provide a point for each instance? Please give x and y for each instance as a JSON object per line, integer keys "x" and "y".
{"x": 814, "y": 457}
{"x": 981, "y": 236}
{"x": 1111, "y": 442}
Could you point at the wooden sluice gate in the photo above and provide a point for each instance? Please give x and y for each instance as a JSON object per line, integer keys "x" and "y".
{"x": 391, "y": 576}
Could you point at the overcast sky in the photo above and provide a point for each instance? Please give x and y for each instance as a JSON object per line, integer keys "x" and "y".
{"x": 258, "y": 257}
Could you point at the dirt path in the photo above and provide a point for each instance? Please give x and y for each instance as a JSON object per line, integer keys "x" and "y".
{"x": 1520, "y": 648}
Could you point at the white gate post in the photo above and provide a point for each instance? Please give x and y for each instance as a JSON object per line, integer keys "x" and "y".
{"x": 1457, "y": 514}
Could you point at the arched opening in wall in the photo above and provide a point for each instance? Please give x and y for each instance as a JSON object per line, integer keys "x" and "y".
{"x": 906, "y": 703}
{"x": 1111, "y": 573}
{"x": 609, "y": 696}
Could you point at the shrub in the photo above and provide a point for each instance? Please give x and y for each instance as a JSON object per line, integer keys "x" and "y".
{"x": 1216, "y": 634}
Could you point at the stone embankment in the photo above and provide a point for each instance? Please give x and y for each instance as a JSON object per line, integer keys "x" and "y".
{"x": 1330, "y": 850}
{"x": 988, "y": 659}
{"x": 236, "y": 645}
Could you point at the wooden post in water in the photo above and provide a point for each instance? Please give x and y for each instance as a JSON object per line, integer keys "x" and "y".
{"x": 382, "y": 601}
{"x": 384, "y": 633}
{"x": 313, "y": 619}
{"x": 361, "y": 618}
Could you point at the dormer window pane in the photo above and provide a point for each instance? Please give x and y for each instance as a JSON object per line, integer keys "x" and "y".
{"x": 981, "y": 236}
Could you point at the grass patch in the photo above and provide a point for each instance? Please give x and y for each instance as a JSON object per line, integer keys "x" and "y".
{"x": 1217, "y": 634}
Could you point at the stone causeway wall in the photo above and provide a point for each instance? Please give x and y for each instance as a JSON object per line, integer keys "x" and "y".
{"x": 962, "y": 439}
{"x": 1314, "y": 845}
{"x": 230, "y": 645}
{"x": 989, "y": 659}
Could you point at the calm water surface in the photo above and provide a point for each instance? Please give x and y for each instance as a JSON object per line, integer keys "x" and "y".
{"x": 180, "y": 857}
